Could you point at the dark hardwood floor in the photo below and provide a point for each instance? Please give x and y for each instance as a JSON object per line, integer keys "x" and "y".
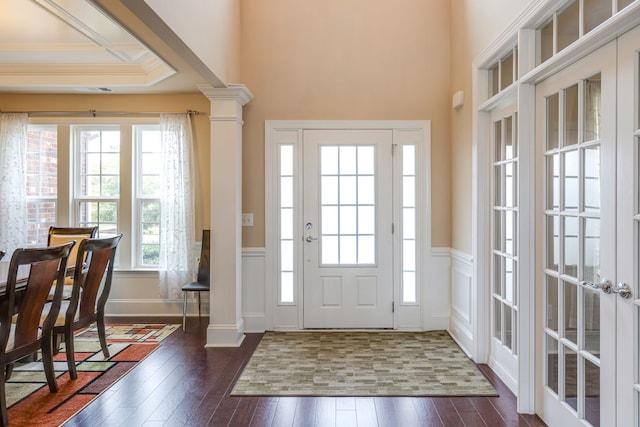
{"x": 184, "y": 384}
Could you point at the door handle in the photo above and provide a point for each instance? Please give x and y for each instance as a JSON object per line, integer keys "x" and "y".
{"x": 605, "y": 285}
{"x": 623, "y": 289}
{"x": 310, "y": 239}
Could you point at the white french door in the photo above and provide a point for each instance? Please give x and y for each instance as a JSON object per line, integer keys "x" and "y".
{"x": 348, "y": 236}
{"x": 628, "y": 236}
{"x": 504, "y": 243}
{"x": 587, "y": 254}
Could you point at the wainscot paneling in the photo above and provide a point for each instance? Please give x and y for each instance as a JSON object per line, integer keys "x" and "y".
{"x": 461, "y": 326}
{"x": 253, "y": 289}
{"x": 135, "y": 293}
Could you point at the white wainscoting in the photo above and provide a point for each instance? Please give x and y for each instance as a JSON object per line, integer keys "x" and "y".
{"x": 253, "y": 289}
{"x": 461, "y": 325}
{"x": 135, "y": 293}
{"x": 436, "y": 301}
{"x": 446, "y": 300}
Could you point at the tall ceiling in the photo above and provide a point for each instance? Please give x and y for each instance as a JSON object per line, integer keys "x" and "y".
{"x": 74, "y": 46}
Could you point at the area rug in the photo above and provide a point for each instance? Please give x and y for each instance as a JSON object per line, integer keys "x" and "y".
{"x": 28, "y": 397}
{"x": 360, "y": 364}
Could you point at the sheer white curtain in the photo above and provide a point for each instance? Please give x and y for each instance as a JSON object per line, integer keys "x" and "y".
{"x": 177, "y": 212}
{"x": 13, "y": 196}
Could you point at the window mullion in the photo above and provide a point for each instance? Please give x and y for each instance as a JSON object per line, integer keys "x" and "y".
{"x": 126, "y": 208}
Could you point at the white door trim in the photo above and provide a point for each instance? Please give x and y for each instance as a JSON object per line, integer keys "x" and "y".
{"x": 424, "y": 314}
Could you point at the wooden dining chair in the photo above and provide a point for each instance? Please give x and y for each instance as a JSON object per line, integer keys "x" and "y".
{"x": 202, "y": 281}
{"x": 91, "y": 288}
{"x": 58, "y": 235}
{"x": 21, "y": 331}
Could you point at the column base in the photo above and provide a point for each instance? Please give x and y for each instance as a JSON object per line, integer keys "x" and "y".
{"x": 225, "y": 335}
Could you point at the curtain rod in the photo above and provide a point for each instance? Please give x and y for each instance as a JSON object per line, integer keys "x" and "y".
{"x": 94, "y": 113}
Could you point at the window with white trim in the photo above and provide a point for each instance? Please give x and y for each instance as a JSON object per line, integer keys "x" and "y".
{"x": 114, "y": 183}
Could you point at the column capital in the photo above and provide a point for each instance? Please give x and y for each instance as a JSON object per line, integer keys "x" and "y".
{"x": 237, "y": 92}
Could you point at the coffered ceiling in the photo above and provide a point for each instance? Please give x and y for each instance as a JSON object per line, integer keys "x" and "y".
{"x": 72, "y": 46}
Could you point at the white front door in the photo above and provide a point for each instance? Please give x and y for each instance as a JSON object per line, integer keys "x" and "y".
{"x": 588, "y": 148}
{"x": 347, "y": 226}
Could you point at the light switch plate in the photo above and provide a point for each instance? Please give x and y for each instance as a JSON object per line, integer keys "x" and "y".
{"x": 247, "y": 220}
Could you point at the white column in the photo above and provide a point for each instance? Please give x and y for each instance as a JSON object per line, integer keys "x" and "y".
{"x": 226, "y": 327}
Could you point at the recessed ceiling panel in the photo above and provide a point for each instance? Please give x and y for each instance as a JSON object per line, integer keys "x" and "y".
{"x": 70, "y": 43}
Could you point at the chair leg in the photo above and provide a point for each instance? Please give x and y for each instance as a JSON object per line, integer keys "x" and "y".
{"x": 102, "y": 334}
{"x": 69, "y": 349}
{"x": 8, "y": 371}
{"x": 4, "y": 416}
{"x": 184, "y": 310}
{"x": 199, "y": 305}
{"x": 56, "y": 343}
{"x": 47, "y": 361}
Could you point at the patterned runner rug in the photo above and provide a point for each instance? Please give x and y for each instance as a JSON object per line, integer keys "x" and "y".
{"x": 28, "y": 396}
{"x": 360, "y": 364}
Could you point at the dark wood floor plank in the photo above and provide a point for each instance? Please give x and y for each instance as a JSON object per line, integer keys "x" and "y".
{"x": 467, "y": 412}
{"x": 185, "y": 384}
{"x": 305, "y": 412}
{"x": 447, "y": 412}
{"x": 386, "y": 412}
{"x": 285, "y": 412}
{"x": 366, "y": 412}
{"x": 427, "y": 412}
{"x": 265, "y": 411}
{"x": 406, "y": 413}
{"x": 325, "y": 412}
{"x": 487, "y": 411}
{"x": 244, "y": 412}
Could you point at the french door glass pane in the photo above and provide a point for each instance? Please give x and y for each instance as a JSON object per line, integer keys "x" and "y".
{"x": 497, "y": 138}
{"x": 497, "y": 319}
{"x": 592, "y": 393}
{"x": 571, "y": 115}
{"x": 546, "y": 41}
{"x": 570, "y": 309}
{"x": 552, "y": 370}
{"x": 506, "y": 71}
{"x": 553, "y": 121}
{"x": 508, "y": 327}
{"x": 571, "y": 170}
{"x": 591, "y": 264}
{"x": 591, "y": 308}
{"x": 552, "y": 303}
{"x": 497, "y": 274}
{"x": 509, "y": 275}
{"x": 568, "y": 25}
{"x": 595, "y": 13}
{"x": 571, "y": 249}
{"x": 624, "y": 3}
{"x": 571, "y": 377}
{"x": 553, "y": 242}
{"x": 592, "y": 114}
{"x": 591, "y": 179}
{"x": 494, "y": 82}
{"x": 553, "y": 182}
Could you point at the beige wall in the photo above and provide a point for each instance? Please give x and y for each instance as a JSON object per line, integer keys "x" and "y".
{"x": 210, "y": 28}
{"x": 343, "y": 60}
{"x": 474, "y": 25}
{"x": 169, "y": 103}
